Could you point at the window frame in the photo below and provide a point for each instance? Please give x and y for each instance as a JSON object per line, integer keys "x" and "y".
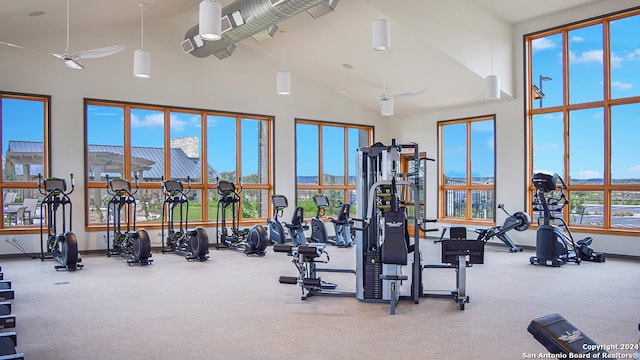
{"x": 469, "y": 187}
{"x": 203, "y": 186}
{"x": 46, "y": 141}
{"x": 321, "y": 187}
{"x": 607, "y": 187}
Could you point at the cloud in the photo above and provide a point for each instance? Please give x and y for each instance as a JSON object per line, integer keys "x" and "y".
{"x": 576, "y": 39}
{"x": 616, "y": 61}
{"x": 635, "y": 168}
{"x": 590, "y": 174}
{"x": 179, "y": 123}
{"x": 634, "y": 55}
{"x": 491, "y": 143}
{"x": 621, "y": 86}
{"x": 152, "y": 120}
{"x": 586, "y": 57}
{"x": 542, "y": 44}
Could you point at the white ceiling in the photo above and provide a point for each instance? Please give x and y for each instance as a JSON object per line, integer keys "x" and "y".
{"x": 443, "y": 47}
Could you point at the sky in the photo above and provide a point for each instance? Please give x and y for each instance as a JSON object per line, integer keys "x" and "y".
{"x": 586, "y": 78}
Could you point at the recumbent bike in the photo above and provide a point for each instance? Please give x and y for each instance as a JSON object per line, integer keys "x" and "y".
{"x": 341, "y": 225}
{"x": 253, "y": 241}
{"x": 555, "y": 245}
{"x": 132, "y": 244}
{"x": 193, "y": 244}
{"x": 63, "y": 246}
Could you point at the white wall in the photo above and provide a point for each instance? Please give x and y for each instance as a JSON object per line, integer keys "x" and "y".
{"x": 510, "y": 135}
{"x": 244, "y": 82}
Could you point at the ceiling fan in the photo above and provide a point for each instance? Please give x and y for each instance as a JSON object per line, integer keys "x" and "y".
{"x": 71, "y": 58}
{"x": 386, "y": 100}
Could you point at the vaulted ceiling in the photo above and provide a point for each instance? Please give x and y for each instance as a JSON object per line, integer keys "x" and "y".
{"x": 443, "y": 47}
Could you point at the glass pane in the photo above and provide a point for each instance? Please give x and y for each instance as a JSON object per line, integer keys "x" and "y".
{"x": 454, "y": 153}
{"x": 105, "y": 142}
{"x": 186, "y": 146}
{"x": 482, "y": 152}
{"x": 586, "y": 65}
{"x": 147, "y": 145}
{"x": 21, "y": 207}
{"x": 255, "y": 152}
{"x": 548, "y": 143}
{"x": 149, "y": 205}
{"x": 455, "y": 203}
{"x": 221, "y": 148}
{"x": 255, "y": 204}
{"x": 625, "y": 42}
{"x": 546, "y": 69}
{"x": 336, "y": 199}
{"x": 333, "y": 155}
{"x": 482, "y": 204}
{"x": 625, "y": 209}
{"x": 23, "y": 150}
{"x": 625, "y": 127}
{"x": 585, "y": 208}
{"x": 357, "y": 138}
{"x": 586, "y": 146}
{"x": 98, "y": 203}
{"x": 305, "y": 200}
{"x": 307, "y": 157}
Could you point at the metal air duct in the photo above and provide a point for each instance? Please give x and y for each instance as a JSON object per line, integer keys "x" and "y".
{"x": 258, "y": 15}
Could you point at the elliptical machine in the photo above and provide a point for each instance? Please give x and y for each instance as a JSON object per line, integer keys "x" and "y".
{"x": 60, "y": 246}
{"x": 555, "y": 245}
{"x": 132, "y": 244}
{"x": 192, "y": 244}
{"x": 253, "y": 241}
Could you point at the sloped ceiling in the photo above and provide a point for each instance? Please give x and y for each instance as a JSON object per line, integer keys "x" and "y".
{"x": 443, "y": 47}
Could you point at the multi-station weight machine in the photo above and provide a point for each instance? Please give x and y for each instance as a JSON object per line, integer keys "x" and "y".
{"x": 387, "y": 203}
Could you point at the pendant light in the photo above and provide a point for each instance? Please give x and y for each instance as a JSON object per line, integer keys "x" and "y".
{"x": 492, "y": 82}
{"x": 210, "y": 25}
{"x": 381, "y": 34}
{"x": 141, "y": 58}
{"x": 283, "y": 77}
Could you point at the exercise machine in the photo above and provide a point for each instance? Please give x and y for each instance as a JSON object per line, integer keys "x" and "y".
{"x": 297, "y": 227}
{"x": 253, "y": 241}
{"x": 62, "y": 246}
{"x": 518, "y": 221}
{"x": 7, "y": 319}
{"x": 341, "y": 225}
{"x": 559, "y": 336}
{"x": 132, "y": 244}
{"x": 555, "y": 244}
{"x": 8, "y": 343}
{"x": 276, "y": 229}
{"x": 193, "y": 244}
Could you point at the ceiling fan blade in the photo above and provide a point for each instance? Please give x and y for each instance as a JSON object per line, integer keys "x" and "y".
{"x": 13, "y": 45}
{"x": 98, "y": 53}
{"x": 409, "y": 94}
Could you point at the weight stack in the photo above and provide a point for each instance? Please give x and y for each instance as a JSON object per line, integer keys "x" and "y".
{"x": 372, "y": 271}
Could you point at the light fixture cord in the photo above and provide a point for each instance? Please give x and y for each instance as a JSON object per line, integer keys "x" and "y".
{"x": 283, "y": 43}
{"x": 142, "y": 26}
{"x": 491, "y": 48}
{"x": 67, "y": 49}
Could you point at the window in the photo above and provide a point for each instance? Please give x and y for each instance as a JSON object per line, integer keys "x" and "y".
{"x": 325, "y": 162}
{"x": 467, "y": 169}
{"x": 25, "y": 155}
{"x": 583, "y": 118}
{"x": 150, "y": 142}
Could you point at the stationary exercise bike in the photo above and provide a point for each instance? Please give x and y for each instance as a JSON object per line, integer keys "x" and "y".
{"x": 132, "y": 244}
{"x": 555, "y": 245}
{"x": 276, "y": 230}
{"x": 518, "y": 221}
{"x": 192, "y": 244}
{"x": 341, "y": 225}
{"x": 61, "y": 246}
{"x": 253, "y": 241}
